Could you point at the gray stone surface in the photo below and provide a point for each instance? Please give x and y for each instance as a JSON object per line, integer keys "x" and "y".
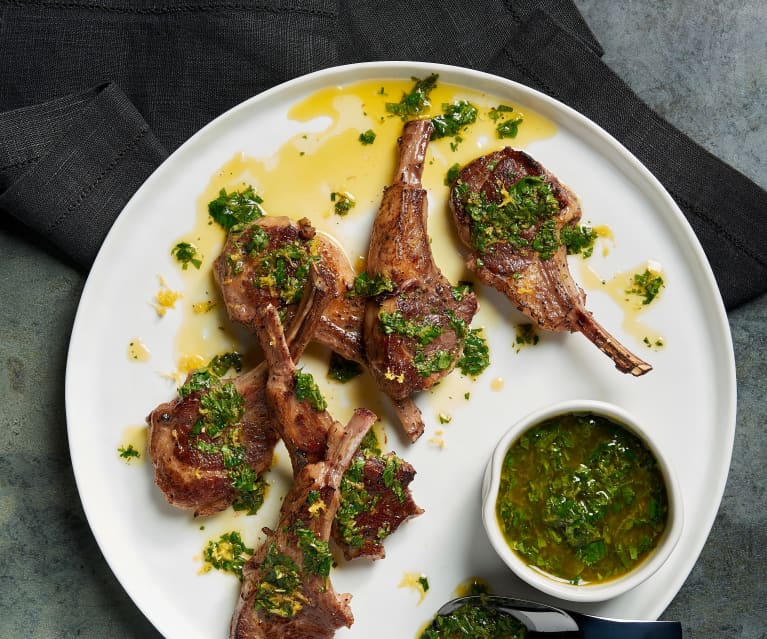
{"x": 700, "y": 63}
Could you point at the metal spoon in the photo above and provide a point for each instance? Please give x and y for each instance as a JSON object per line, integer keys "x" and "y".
{"x": 540, "y": 619}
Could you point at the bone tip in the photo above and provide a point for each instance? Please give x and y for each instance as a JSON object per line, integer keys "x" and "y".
{"x": 640, "y": 369}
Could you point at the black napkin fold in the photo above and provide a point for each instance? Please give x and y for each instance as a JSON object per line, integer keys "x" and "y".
{"x": 69, "y": 164}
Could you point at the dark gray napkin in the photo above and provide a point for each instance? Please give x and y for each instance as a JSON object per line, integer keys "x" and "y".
{"x": 71, "y": 155}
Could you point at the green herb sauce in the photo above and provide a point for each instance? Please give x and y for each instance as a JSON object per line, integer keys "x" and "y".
{"x": 423, "y": 331}
{"x": 367, "y": 137}
{"x": 453, "y": 119}
{"x": 228, "y": 554}
{"x": 218, "y": 430}
{"x": 186, "y": 254}
{"x": 415, "y": 102}
{"x": 315, "y": 551}
{"x": 279, "y": 591}
{"x": 646, "y": 285}
{"x": 477, "y": 622}
{"x": 367, "y": 286}
{"x": 529, "y": 202}
{"x": 233, "y": 211}
{"x": 356, "y": 500}
{"x": 579, "y": 240}
{"x": 581, "y": 498}
{"x": 128, "y": 452}
{"x": 476, "y": 354}
{"x": 342, "y": 202}
{"x": 306, "y": 390}
{"x": 341, "y": 369}
{"x": 285, "y": 270}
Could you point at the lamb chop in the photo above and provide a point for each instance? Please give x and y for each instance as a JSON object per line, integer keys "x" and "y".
{"x": 512, "y": 214}
{"x": 414, "y": 334}
{"x": 375, "y": 498}
{"x": 267, "y": 262}
{"x": 286, "y": 590}
{"x": 210, "y": 444}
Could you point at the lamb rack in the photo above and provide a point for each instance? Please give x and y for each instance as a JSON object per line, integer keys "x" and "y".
{"x": 414, "y": 333}
{"x": 512, "y": 214}
{"x": 210, "y": 444}
{"x": 375, "y": 497}
{"x": 267, "y": 262}
{"x": 286, "y": 590}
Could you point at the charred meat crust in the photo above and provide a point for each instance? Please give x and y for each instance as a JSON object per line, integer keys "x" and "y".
{"x": 543, "y": 289}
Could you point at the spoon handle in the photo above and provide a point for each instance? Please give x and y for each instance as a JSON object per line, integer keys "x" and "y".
{"x": 595, "y": 628}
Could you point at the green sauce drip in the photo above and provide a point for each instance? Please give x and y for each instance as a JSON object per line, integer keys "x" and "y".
{"x": 228, "y": 554}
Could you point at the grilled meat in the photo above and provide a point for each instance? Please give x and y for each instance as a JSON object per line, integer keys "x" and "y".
{"x": 286, "y": 589}
{"x": 375, "y": 498}
{"x": 186, "y": 434}
{"x": 266, "y": 264}
{"x": 510, "y": 212}
{"x": 414, "y": 335}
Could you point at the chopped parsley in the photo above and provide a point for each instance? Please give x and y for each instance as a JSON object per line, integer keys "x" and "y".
{"x": 316, "y": 552}
{"x": 508, "y": 129}
{"x": 415, "y": 102}
{"x": 233, "y": 211}
{"x": 128, "y": 452}
{"x": 285, "y": 270}
{"x": 476, "y": 354}
{"x": 477, "y": 622}
{"x": 528, "y": 203}
{"x": 435, "y": 362}
{"x": 504, "y": 127}
{"x": 257, "y": 242}
{"x": 186, "y": 254}
{"x": 279, "y": 591}
{"x": 367, "y": 286}
{"x": 220, "y": 407}
{"x": 218, "y": 429}
{"x": 526, "y": 335}
{"x": 228, "y": 554}
{"x": 454, "y": 118}
{"x": 306, "y": 390}
{"x": 646, "y": 285}
{"x": 343, "y": 202}
{"x": 579, "y": 240}
{"x": 367, "y": 137}
{"x": 425, "y": 332}
{"x": 453, "y": 173}
{"x": 356, "y": 502}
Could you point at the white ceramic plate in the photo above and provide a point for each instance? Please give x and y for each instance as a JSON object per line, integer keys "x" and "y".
{"x": 688, "y": 399}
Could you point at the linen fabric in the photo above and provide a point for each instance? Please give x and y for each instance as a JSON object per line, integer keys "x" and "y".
{"x": 95, "y": 94}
